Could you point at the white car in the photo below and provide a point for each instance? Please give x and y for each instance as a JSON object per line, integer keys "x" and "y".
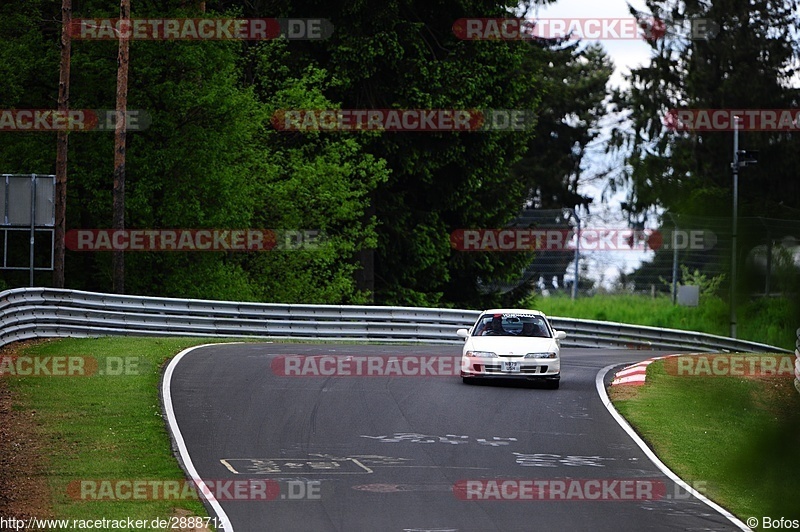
{"x": 510, "y": 343}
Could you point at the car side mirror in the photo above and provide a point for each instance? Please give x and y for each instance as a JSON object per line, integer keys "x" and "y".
{"x": 560, "y": 335}
{"x": 463, "y": 333}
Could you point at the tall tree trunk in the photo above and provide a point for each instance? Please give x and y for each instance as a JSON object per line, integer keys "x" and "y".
{"x": 118, "y": 222}
{"x": 61, "y": 146}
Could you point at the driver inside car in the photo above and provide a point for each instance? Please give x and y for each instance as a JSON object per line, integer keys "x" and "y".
{"x": 530, "y": 328}
{"x": 495, "y": 328}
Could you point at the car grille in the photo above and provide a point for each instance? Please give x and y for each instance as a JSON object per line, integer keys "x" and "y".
{"x": 530, "y": 370}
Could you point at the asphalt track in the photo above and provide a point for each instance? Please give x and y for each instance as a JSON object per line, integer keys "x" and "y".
{"x": 384, "y": 453}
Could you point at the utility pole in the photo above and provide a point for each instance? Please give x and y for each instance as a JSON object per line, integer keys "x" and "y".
{"x": 118, "y": 221}
{"x": 62, "y": 142}
{"x": 735, "y": 212}
{"x": 577, "y": 255}
{"x": 740, "y": 158}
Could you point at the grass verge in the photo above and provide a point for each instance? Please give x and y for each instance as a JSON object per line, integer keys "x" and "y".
{"x": 102, "y": 426}
{"x": 738, "y": 437}
{"x": 771, "y": 321}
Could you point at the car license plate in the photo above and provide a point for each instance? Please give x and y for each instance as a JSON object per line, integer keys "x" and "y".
{"x": 511, "y": 367}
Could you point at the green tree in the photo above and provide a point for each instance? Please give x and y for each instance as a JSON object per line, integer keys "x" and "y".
{"x": 750, "y": 62}
{"x": 319, "y": 182}
{"x": 208, "y": 160}
{"x": 573, "y": 93}
{"x": 403, "y": 54}
{"x": 747, "y": 64}
{"x": 28, "y": 50}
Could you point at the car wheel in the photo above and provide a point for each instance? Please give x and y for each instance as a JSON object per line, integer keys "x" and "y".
{"x": 553, "y": 385}
{"x": 468, "y": 380}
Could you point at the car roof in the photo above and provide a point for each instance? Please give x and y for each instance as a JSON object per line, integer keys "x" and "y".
{"x": 513, "y": 311}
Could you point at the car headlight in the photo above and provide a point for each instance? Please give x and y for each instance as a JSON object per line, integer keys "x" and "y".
{"x": 541, "y": 355}
{"x": 481, "y": 354}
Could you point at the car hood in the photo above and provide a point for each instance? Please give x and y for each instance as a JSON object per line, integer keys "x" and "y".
{"x": 510, "y": 345}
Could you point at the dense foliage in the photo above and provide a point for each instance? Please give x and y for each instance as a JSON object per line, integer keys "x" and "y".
{"x": 747, "y": 59}
{"x": 386, "y": 201}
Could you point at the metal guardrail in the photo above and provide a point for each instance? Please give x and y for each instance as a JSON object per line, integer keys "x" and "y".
{"x": 48, "y": 312}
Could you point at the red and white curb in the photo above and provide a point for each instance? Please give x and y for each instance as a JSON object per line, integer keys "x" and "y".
{"x": 635, "y": 375}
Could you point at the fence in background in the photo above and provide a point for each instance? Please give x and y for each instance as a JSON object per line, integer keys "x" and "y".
{"x": 650, "y": 261}
{"x": 48, "y": 312}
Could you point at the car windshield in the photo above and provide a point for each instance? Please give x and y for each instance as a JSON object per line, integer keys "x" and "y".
{"x": 512, "y": 325}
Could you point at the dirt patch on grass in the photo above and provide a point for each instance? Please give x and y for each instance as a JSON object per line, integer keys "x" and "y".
{"x": 623, "y": 392}
{"x": 25, "y": 471}
{"x": 772, "y": 396}
{"x": 24, "y": 489}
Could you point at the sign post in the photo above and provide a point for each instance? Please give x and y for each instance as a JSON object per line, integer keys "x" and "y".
{"x": 28, "y": 204}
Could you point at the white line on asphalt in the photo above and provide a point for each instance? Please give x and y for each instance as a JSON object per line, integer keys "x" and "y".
{"x": 601, "y": 391}
{"x": 202, "y": 488}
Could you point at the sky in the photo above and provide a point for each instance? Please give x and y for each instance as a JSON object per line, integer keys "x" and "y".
{"x": 625, "y": 54}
